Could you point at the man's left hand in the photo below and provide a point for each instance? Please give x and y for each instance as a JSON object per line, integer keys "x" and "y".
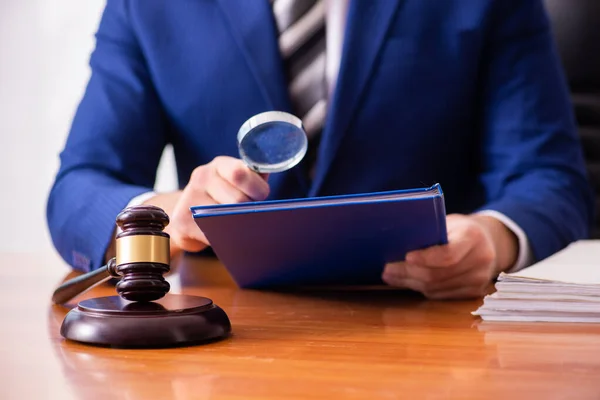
{"x": 479, "y": 248}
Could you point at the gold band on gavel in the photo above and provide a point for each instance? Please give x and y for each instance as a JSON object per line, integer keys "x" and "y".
{"x": 143, "y": 248}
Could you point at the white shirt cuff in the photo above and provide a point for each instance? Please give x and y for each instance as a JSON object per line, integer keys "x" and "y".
{"x": 525, "y": 256}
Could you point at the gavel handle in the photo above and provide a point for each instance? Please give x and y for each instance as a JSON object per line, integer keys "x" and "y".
{"x": 83, "y": 283}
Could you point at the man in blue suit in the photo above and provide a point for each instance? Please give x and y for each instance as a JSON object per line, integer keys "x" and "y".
{"x": 393, "y": 93}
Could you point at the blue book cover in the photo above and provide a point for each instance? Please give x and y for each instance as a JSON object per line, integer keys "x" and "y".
{"x": 335, "y": 240}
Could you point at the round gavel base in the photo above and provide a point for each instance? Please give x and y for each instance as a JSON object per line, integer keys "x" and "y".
{"x": 174, "y": 320}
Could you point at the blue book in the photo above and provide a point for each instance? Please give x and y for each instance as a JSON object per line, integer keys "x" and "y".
{"x": 334, "y": 240}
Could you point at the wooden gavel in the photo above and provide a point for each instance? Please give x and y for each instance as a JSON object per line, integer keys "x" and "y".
{"x": 142, "y": 258}
{"x": 142, "y": 315}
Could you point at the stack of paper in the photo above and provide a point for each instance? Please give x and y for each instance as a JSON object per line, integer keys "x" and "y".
{"x": 562, "y": 288}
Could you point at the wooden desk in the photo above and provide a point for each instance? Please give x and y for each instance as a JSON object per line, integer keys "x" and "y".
{"x": 328, "y": 345}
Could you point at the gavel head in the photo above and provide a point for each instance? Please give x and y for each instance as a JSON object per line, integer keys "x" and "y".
{"x": 142, "y": 253}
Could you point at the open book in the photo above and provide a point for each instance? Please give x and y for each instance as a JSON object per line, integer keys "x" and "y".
{"x": 564, "y": 287}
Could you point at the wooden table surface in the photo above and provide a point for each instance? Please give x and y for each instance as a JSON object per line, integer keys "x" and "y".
{"x": 337, "y": 344}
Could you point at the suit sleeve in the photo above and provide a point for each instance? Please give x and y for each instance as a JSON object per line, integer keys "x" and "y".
{"x": 533, "y": 167}
{"x": 113, "y": 148}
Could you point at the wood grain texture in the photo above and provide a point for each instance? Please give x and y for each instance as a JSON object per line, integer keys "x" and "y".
{"x": 350, "y": 344}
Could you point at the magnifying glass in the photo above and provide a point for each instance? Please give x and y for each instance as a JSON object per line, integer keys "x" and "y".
{"x": 272, "y": 141}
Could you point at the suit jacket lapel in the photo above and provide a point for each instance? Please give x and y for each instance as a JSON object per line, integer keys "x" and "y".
{"x": 252, "y": 25}
{"x": 366, "y": 29}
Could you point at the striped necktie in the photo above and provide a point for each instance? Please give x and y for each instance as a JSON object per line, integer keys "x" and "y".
{"x": 301, "y": 27}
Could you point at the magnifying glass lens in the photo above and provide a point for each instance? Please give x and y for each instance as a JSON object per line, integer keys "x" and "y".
{"x": 272, "y": 142}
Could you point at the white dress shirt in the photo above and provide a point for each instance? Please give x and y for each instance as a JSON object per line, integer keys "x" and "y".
{"x": 336, "y": 15}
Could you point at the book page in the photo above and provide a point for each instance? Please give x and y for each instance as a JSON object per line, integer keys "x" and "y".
{"x": 578, "y": 263}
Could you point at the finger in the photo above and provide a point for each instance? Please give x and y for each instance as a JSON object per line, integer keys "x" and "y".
{"x": 184, "y": 231}
{"x": 423, "y": 279}
{"x": 397, "y": 269}
{"x": 459, "y": 293}
{"x": 459, "y": 287}
{"x": 404, "y": 283}
{"x": 430, "y": 282}
{"x": 223, "y": 192}
{"x": 461, "y": 241}
{"x": 191, "y": 245}
{"x": 475, "y": 276}
{"x": 241, "y": 177}
{"x": 428, "y": 275}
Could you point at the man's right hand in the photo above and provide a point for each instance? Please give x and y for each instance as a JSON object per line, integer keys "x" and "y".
{"x": 225, "y": 180}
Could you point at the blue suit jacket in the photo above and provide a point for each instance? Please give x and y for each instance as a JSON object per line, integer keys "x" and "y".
{"x": 467, "y": 93}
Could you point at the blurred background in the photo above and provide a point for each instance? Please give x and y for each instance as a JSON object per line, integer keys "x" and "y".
{"x": 44, "y": 52}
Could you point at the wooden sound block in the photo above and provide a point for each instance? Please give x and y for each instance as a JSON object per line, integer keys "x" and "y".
{"x": 175, "y": 320}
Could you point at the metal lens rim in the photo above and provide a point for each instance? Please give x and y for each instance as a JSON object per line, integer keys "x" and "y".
{"x": 267, "y": 118}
